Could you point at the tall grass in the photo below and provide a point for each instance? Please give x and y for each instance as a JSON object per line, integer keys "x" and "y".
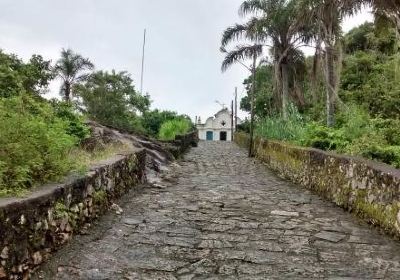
{"x": 171, "y": 128}
{"x": 275, "y": 127}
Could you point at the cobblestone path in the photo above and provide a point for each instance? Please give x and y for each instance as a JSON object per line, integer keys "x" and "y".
{"x": 219, "y": 215}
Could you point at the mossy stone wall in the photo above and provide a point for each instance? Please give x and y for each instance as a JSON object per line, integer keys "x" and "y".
{"x": 181, "y": 144}
{"x": 34, "y": 226}
{"x": 367, "y": 188}
{"x": 31, "y": 228}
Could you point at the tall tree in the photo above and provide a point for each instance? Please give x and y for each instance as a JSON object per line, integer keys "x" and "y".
{"x": 71, "y": 68}
{"x": 328, "y": 16}
{"x": 111, "y": 99}
{"x": 280, "y": 23}
{"x": 388, "y": 8}
{"x": 242, "y": 53}
{"x": 17, "y": 76}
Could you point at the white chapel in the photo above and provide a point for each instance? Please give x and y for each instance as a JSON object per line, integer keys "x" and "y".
{"x": 218, "y": 127}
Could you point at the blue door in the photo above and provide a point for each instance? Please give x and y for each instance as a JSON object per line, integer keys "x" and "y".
{"x": 210, "y": 136}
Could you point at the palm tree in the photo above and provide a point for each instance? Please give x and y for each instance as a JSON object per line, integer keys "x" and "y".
{"x": 388, "y": 8}
{"x": 71, "y": 68}
{"x": 238, "y": 55}
{"x": 328, "y": 16}
{"x": 276, "y": 22}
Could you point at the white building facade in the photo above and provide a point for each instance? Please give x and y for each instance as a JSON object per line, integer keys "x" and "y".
{"x": 218, "y": 127}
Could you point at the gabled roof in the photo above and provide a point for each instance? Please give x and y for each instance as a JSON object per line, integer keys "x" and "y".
{"x": 224, "y": 110}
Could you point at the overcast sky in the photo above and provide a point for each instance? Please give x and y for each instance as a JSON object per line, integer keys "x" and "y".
{"x": 182, "y": 70}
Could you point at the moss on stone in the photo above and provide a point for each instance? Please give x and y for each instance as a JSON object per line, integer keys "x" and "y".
{"x": 377, "y": 214}
{"x": 349, "y": 182}
{"x": 100, "y": 198}
{"x": 132, "y": 162}
{"x": 242, "y": 139}
{"x": 342, "y": 197}
{"x": 60, "y": 210}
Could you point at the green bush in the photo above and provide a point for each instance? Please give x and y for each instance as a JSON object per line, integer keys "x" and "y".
{"x": 244, "y": 126}
{"x": 353, "y": 122}
{"x": 111, "y": 99}
{"x": 275, "y": 127}
{"x": 357, "y": 134}
{"x": 76, "y": 126}
{"x": 389, "y": 129}
{"x": 388, "y": 154}
{"x": 321, "y": 137}
{"x": 171, "y": 128}
{"x": 374, "y": 146}
{"x": 152, "y": 120}
{"x": 34, "y": 142}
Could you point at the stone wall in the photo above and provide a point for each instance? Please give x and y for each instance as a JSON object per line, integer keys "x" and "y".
{"x": 369, "y": 189}
{"x": 34, "y": 226}
{"x": 182, "y": 143}
{"x": 31, "y": 228}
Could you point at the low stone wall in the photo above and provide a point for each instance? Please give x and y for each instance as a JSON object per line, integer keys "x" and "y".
{"x": 369, "y": 189}
{"x": 182, "y": 143}
{"x": 32, "y": 227}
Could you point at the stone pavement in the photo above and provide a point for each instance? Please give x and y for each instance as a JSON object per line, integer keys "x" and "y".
{"x": 219, "y": 215}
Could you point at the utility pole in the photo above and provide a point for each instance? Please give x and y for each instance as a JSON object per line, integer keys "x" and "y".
{"x": 236, "y": 115}
{"x": 232, "y": 116}
{"x": 253, "y": 93}
{"x": 144, "y": 45}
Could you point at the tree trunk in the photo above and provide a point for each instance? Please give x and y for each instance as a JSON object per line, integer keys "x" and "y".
{"x": 314, "y": 75}
{"x": 278, "y": 84}
{"x": 285, "y": 90}
{"x": 253, "y": 93}
{"x": 331, "y": 85}
{"x": 67, "y": 89}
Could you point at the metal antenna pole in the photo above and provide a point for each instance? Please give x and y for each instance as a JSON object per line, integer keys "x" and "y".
{"x": 232, "y": 123}
{"x": 236, "y": 115}
{"x": 144, "y": 45}
{"x": 253, "y": 93}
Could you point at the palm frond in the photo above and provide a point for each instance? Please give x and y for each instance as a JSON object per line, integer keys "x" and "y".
{"x": 253, "y": 6}
{"x": 70, "y": 65}
{"x": 241, "y": 53}
{"x": 233, "y": 33}
{"x": 253, "y": 30}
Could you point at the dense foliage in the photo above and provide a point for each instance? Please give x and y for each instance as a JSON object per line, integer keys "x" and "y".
{"x": 346, "y": 97}
{"x": 35, "y": 143}
{"x": 40, "y": 139}
{"x": 171, "y": 128}
{"x": 17, "y": 76}
{"x": 111, "y": 99}
{"x": 153, "y": 120}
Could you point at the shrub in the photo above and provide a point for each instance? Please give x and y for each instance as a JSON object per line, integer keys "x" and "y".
{"x": 321, "y": 137}
{"x": 34, "y": 144}
{"x": 275, "y": 127}
{"x": 353, "y": 122}
{"x": 76, "y": 126}
{"x": 152, "y": 120}
{"x": 244, "y": 126}
{"x": 374, "y": 146}
{"x": 389, "y": 128}
{"x": 171, "y": 128}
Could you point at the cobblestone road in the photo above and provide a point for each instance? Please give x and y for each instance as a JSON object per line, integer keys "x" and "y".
{"x": 220, "y": 215}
